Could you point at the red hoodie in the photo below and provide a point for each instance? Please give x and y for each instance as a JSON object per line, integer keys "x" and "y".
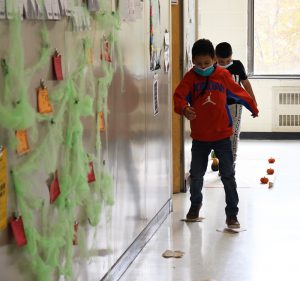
{"x": 213, "y": 120}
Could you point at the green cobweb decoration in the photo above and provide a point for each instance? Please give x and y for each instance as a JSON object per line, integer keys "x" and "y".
{"x": 58, "y": 148}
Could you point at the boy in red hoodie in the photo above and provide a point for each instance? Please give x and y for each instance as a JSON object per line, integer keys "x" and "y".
{"x": 202, "y": 97}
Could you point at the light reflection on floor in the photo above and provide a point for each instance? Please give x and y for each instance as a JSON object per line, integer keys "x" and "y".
{"x": 268, "y": 251}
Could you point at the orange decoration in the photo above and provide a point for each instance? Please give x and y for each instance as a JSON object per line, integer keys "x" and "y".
{"x": 270, "y": 171}
{"x": 271, "y": 160}
{"x": 43, "y": 103}
{"x": 101, "y": 122}
{"x": 264, "y": 180}
{"x": 23, "y": 145}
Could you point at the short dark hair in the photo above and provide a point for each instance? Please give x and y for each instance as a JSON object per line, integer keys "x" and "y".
{"x": 203, "y": 47}
{"x": 223, "y": 50}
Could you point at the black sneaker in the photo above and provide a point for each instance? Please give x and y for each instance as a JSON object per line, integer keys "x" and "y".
{"x": 232, "y": 222}
{"x": 193, "y": 213}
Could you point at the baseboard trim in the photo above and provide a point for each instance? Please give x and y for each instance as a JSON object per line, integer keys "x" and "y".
{"x": 119, "y": 268}
{"x": 270, "y": 135}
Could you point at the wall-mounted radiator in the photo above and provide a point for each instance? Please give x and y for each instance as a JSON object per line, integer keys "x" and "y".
{"x": 286, "y": 109}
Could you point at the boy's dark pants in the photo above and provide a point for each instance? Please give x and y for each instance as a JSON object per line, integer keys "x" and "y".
{"x": 200, "y": 153}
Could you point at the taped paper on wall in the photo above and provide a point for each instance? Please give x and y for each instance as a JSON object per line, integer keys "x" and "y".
{"x": 13, "y": 7}
{"x": 23, "y": 144}
{"x": 43, "y": 102}
{"x": 101, "y": 121}
{"x": 126, "y": 8}
{"x": 30, "y": 9}
{"x": 93, "y": 5}
{"x": 56, "y": 10}
{"x": 167, "y": 51}
{"x": 155, "y": 96}
{"x": 48, "y": 7}
{"x": 2, "y": 9}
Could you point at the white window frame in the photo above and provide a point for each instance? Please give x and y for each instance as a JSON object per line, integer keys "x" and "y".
{"x": 250, "y": 53}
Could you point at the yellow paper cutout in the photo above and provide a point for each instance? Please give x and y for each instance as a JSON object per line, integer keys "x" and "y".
{"x": 43, "y": 102}
{"x": 3, "y": 189}
{"x": 23, "y": 145}
{"x": 90, "y": 56}
{"x": 101, "y": 121}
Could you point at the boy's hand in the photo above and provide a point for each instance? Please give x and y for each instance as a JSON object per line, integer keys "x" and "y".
{"x": 189, "y": 112}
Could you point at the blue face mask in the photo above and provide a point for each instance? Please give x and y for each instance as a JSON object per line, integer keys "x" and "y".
{"x": 227, "y": 65}
{"x": 204, "y": 72}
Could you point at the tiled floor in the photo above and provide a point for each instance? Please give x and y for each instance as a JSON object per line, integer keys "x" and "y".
{"x": 269, "y": 249}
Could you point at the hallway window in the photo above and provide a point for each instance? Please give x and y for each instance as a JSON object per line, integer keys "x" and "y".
{"x": 274, "y": 37}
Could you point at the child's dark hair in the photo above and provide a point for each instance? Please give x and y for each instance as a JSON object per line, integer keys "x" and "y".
{"x": 223, "y": 50}
{"x": 203, "y": 47}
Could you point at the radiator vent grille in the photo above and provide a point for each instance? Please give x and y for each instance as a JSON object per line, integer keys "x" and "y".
{"x": 289, "y": 98}
{"x": 289, "y": 120}
{"x": 286, "y": 109}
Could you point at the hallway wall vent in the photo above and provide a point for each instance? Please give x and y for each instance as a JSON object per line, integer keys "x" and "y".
{"x": 286, "y": 109}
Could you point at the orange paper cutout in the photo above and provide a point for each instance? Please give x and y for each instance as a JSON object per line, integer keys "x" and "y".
{"x": 43, "y": 103}
{"x": 101, "y": 121}
{"x": 23, "y": 145}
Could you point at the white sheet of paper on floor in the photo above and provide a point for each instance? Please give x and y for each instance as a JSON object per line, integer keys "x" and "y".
{"x": 231, "y": 230}
{"x": 172, "y": 254}
{"x": 200, "y": 219}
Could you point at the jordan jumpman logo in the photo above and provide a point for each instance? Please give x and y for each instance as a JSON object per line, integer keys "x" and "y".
{"x": 208, "y": 100}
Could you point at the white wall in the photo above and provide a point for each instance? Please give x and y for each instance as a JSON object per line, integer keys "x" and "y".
{"x": 220, "y": 21}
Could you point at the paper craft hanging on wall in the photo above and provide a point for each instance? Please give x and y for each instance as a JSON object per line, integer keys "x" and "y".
{"x": 57, "y": 67}
{"x": 93, "y": 5}
{"x": 43, "y": 102}
{"x": 166, "y": 51}
{"x": 17, "y": 227}
{"x": 101, "y": 122}
{"x": 90, "y": 56}
{"x": 54, "y": 189}
{"x": 2, "y": 9}
{"x": 68, "y": 6}
{"x": 3, "y": 188}
{"x": 105, "y": 54}
{"x": 12, "y": 7}
{"x": 55, "y": 10}
{"x": 75, "y": 236}
{"x": 126, "y": 10}
{"x": 155, "y": 49}
{"x": 48, "y": 8}
{"x": 91, "y": 175}
{"x": 155, "y": 95}
{"x": 22, "y": 142}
